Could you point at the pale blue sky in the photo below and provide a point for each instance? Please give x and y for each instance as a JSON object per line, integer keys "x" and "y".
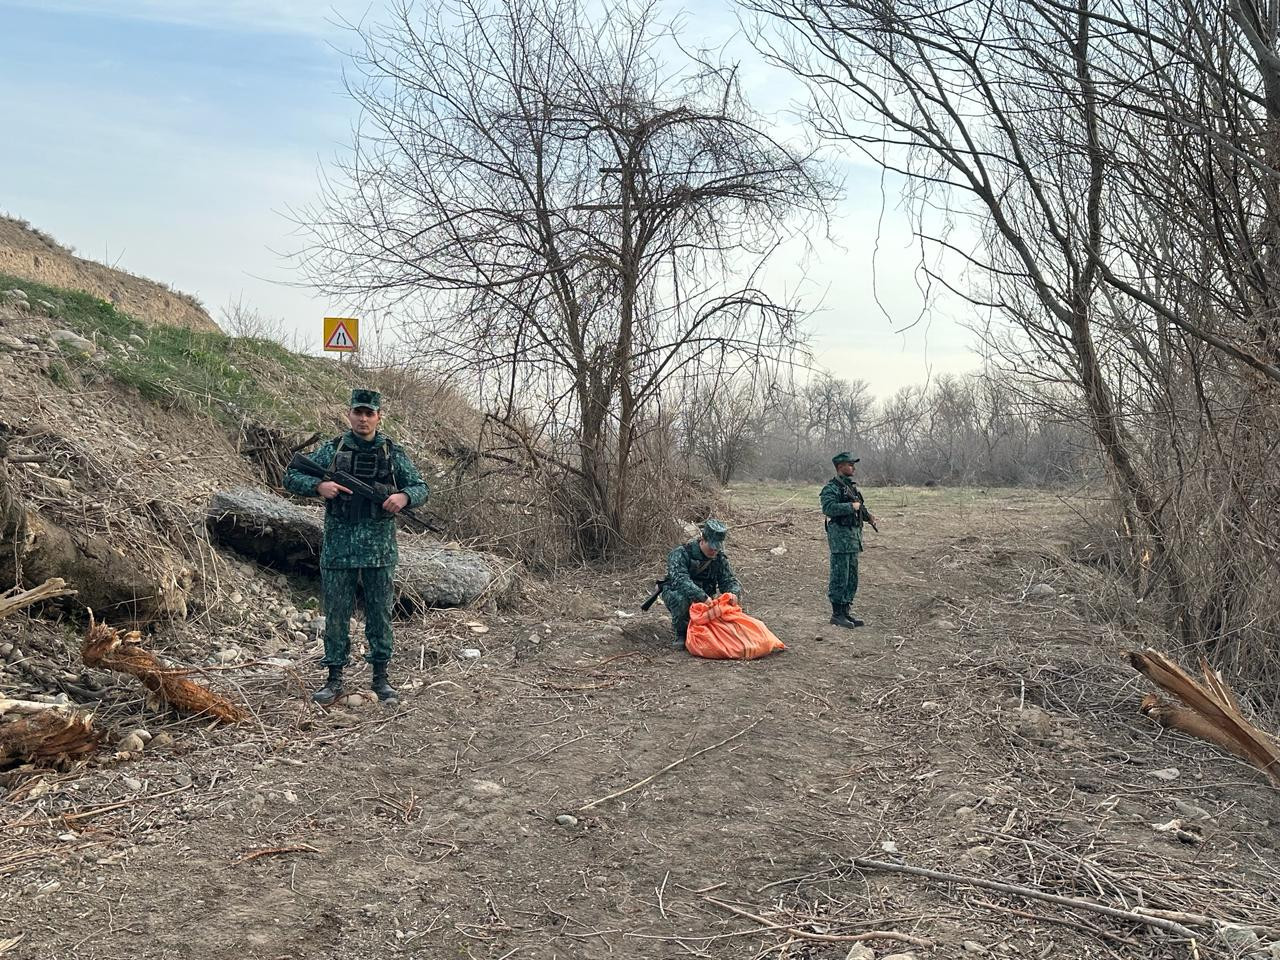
{"x": 169, "y": 136}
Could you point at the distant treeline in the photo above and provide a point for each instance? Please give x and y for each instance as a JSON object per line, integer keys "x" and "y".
{"x": 984, "y": 428}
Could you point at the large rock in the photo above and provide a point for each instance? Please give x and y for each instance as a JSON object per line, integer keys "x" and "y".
{"x": 284, "y": 536}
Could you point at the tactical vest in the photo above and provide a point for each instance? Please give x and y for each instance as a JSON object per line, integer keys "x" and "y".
{"x": 371, "y": 466}
{"x": 699, "y": 565}
{"x": 850, "y": 492}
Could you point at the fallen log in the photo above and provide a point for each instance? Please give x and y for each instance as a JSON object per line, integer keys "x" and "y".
{"x": 110, "y": 649}
{"x": 1211, "y": 711}
{"x": 284, "y": 536}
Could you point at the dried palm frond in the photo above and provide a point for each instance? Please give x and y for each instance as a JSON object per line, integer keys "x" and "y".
{"x": 111, "y": 649}
{"x": 1212, "y": 711}
{"x": 44, "y": 734}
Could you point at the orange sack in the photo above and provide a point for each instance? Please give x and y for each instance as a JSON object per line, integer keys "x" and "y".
{"x": 719, "y": 630}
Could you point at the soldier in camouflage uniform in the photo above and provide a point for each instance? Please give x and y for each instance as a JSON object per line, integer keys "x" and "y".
{"x": 695, "y": 571}
{"x": 846, "y": 513}
{"x": 359, "y": 539}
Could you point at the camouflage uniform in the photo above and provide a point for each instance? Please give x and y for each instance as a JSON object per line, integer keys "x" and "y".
{"x": 359, "y": 545}
{"x": 692, "y": 577}
{"x": 844, "y": 535}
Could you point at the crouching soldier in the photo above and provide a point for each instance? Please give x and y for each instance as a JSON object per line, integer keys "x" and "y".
{"x": 696, "y": 571}
{"x": 359, "y": 539}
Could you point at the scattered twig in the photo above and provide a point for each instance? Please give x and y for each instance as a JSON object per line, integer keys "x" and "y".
{"x": 1132, "y": 916}
{"x": 825, "y": 937}
{"x": 107, "y": 808}
{"x": 671, "y": 766}
{"x": 273, "y": 851}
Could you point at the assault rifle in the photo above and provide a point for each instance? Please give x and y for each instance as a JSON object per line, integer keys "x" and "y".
{"x": 657, "y": 592}
{"x": 376, "y": 493}
{"x": 852, "y": 493}
{"x": 659, "y": 584}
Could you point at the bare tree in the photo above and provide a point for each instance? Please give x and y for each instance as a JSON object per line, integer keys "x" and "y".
{"x": 572, "y": 211}
{"x": 1113, "y": 167}
{"x": 729, "y": 424}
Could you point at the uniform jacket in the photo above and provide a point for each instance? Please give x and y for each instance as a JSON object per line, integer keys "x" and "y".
{"x": 367, "y": 542}
{"x": 844, "y": 524}
{"x": 687, "y": 586}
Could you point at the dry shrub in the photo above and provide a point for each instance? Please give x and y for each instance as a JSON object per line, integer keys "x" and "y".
{"x": 270, "y": 448}
{"x": 430, "y": 407}
{"x": 1222, "y": 523}
{"x": 1211, "y": 587}
{"x": 525, "y": 500}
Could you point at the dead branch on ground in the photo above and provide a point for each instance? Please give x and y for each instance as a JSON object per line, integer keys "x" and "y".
{"x": 16, "y": 598}
{"x": 670, "y": 766}
{"x": 110, "y": 649}
{"x": 275, "y": 851}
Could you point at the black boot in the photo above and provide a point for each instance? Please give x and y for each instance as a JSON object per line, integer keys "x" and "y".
{"x": 681, "y": 632}
{"x": 850, "y": 617}
{"x": 380, "y": 686}
{"x": 840, "y": 616}
{"x": 332, "y": 688}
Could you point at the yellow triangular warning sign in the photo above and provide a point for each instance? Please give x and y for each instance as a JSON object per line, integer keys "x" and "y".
{"x": 341, "y": 333}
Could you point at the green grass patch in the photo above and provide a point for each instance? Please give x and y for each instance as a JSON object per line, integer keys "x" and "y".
{"x": 200, "y": 370}
{"x": 61, "y": 375}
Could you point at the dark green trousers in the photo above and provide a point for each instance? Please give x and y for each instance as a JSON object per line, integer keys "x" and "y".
{"x": 843, "y": 584}
{"x": 340, "y": 603}
{"x": 678, "y": 608}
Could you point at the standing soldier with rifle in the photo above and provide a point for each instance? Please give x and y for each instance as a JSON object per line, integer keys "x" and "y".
{"x": 846, "y": 511}
{"x": 359, "y": 534}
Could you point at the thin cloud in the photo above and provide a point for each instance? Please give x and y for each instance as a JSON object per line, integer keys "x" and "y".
{"x": 247, "y": 16}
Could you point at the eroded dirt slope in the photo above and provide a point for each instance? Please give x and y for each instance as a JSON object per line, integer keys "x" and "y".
{"x": 30, "y": 254}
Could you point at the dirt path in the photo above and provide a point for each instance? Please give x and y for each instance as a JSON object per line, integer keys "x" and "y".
{"x": 964, "y": 728}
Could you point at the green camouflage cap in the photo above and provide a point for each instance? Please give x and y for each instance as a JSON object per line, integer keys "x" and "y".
{"x": 714, "y": 532}
{"x": 361, "y": 397}
{"x": 840, "y": 458}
